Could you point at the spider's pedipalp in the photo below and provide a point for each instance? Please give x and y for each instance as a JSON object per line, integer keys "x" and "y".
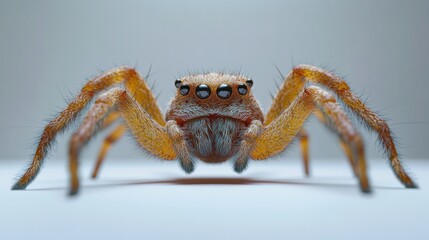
{"x": 177, "y": 137}
{"x": 248, "y": 143}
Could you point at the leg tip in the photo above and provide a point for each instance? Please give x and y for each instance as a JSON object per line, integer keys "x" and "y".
{"x": 73, "y": 192}
{"x": 18, "y": 186}
{"x": 366, "y": 190}
{"x": 411, "y": 185}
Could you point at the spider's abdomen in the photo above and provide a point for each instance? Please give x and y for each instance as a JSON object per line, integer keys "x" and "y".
{"x": 213, "y": 139}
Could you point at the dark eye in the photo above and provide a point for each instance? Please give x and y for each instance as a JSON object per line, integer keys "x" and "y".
{"x": 184, "y": 89}
{"x": 177, "y": 83}
{"x": 242, "y": 89}
{"x": 249, "y": 82}
{"x": 224, "y": 91}
{"x": 203, "y": 91}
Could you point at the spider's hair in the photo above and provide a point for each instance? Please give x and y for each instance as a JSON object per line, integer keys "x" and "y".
{"x": 223, "y": 71}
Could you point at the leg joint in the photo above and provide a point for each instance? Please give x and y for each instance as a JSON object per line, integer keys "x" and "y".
{"x": 110, "y": 97}
{"x": 357, "y": 141}
{"x": 75, "y": 143}
{"x": 318, "y": 95}
{"x": 111, "y": 139}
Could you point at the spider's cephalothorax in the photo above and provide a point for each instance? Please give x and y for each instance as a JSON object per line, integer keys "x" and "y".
{"x": 214, "y": 112}
{"x": 215, "y": 117}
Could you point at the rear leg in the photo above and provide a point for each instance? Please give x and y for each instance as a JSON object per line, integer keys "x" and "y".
{"x": 368, "y": 117}
{"x": 108, "y": 142}
{"x": 303, "y": 142}
{"x": 133, "y": 82}
{"x": 347, "y": 149}
{"x": 295, "y": 82}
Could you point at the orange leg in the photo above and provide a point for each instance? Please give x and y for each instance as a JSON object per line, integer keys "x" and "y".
{"x": 303, "y": 140}
{"x": 276, "y": 136}
{"x": 107, "y": 144}
{"x": 296, "y": 80}
{"x": 133, "y": 82}
{"x": 346, "y": 148}
{"x": 109, "y": 140}
{"x": 349, "y": 154}
{"x": 374, "y": 122}
{"x": 154, "y": 138}
{"x": 111, "y": 118}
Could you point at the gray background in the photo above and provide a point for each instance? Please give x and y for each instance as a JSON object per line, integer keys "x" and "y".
{"x": 48, "y": 49}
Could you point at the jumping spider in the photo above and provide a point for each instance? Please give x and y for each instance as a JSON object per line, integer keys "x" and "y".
{"x": 215, "y": 117}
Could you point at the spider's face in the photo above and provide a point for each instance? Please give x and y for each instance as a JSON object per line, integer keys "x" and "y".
{"x": 214, "y": 95}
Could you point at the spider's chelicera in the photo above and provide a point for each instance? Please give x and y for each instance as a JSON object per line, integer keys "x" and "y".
{"x": 215, "y": 117}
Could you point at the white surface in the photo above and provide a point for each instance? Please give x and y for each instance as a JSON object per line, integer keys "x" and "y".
{"x": 139, "y": 199}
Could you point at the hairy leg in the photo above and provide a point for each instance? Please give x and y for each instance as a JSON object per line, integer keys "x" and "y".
{"x": 374, "y": 122}
{"x": 276, "y": 136}
{"x": 288, "y": 92}
{"x": 134, "y": 84}
{"x": 147, "y": 131}
{"x": 286, "y": 95}
{"x": 303, "y": 73}
{"x": 349, "y": 154}
{"x": 345, "y": 147}
{"x": 110, "y": 119}
{"x": 114, "y": 136}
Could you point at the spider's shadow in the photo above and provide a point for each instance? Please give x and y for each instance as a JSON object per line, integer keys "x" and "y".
{"x": 221, "y": 181}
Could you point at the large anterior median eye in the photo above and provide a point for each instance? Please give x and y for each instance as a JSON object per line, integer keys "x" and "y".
{"x": 184, "y": 89}
{"x": 203, "y": 91}
{"x": 224, "y": 91}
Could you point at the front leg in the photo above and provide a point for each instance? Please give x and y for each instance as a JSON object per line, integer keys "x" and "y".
{"x": 179, "y": 145}
{"x": 148, "y": 133}
{"x": 247, "y": 145}
{"x": 276, "y": 136}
